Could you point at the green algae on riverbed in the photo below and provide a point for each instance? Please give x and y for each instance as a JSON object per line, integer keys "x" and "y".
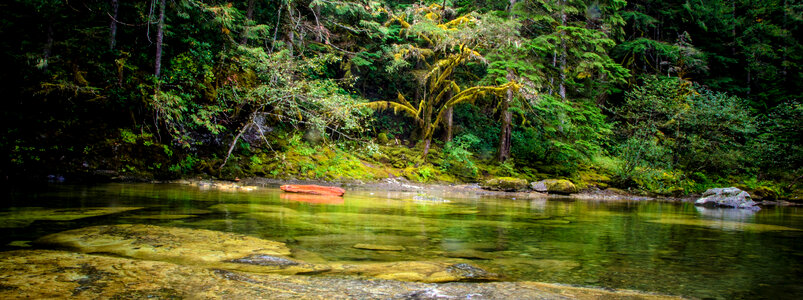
{"x": 56, "y": 274}
{"x": 724, "y": 225}
{"x": 212, "y": 249}
{"x": 19, "y": 217}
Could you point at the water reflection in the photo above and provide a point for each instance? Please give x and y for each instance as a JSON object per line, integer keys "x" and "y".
{"x": 314, "y": 199}
{"x": 733, "y": 214}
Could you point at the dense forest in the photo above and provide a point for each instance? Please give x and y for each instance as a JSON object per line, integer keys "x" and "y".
{"x": 666, "y": 97}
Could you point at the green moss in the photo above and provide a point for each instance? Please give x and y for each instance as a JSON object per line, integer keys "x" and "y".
{"x": 505, "y": 184}
{"x": 557, "y": 186}
{"x": 591, "y": 177}
{"x": 382, "y": 138}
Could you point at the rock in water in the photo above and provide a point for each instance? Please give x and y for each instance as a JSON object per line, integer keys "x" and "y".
{"x": 265, "y": 260}
{"x": 467, "y": 272}
{"x": 507, "y": 184}
{"x": 313, "y": 189}
{"x": 557, "y": 186}
{"x": 212, "y": 249}
{"x": 43, "y": 274}
{"x": 420, "y": 271}
{"x": 727, "y": 197}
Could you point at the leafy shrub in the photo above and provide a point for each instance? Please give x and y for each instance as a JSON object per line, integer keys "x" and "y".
{"x": 669, "y": 123}
{"x": 426, "y": 173}
{"x": 457, "y": 157}
{"x": 561, "y": 133}
{"x": 470, "y": 120}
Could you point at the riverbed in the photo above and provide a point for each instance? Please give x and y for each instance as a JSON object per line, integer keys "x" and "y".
{"x": 670, "y": 248}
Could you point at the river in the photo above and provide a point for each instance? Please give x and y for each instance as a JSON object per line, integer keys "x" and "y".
{"x": 662, "y": 247}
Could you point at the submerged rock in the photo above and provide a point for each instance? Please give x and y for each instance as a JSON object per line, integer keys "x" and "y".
{"x": 378, "y": 247}
{"x": 213, "y": 249}
{"x": 21, "y": 244}
{"x": 724, "y": 225}
{"x": 421, "y": 271}
{"x": 265, "y": 260}
{"x": 508, "y": 184}
{"x": 429, "y": 199}
{"x": 727, "y": 197}
{"x": 556, "y": 186}
{"x": 55, "y": 274}
{"x": 23, "y": 216}
{"x": 467, "y": 272}
{"x": 470, "y": 254}
{"x": 181, "y": 245}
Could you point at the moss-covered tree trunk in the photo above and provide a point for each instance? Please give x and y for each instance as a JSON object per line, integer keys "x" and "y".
{"x": 562, "y": 86}
{"x": 504, "y": 135}
{"x": 447, "y": 130}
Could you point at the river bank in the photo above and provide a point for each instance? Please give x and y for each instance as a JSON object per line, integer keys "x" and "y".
{"x": 401, "y": 184}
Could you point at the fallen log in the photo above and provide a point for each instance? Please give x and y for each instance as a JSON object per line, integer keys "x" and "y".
{"x": 313, "y": 189}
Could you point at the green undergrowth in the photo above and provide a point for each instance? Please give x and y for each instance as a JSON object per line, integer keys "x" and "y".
{"x": 129, "y": 154}
{"x": 368, "y": 161}
{"x": 453, "y": 163}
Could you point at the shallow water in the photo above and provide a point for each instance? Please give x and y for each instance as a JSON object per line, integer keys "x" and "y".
{"x": 671, "y": 248}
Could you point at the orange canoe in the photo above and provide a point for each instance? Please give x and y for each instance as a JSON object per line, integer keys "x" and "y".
{"x": 313, "y": 189}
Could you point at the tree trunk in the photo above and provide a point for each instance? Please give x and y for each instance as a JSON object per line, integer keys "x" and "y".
{"x": 159, "y": 38}
{"x": 447, "y": 134}
{"x": 733, "y": 29}
{"x": 504, "y": 136}
{"x": 290, "y": 37}
{"x": 562, "y": 87}
{"x": 249, "y": 15}
{"x": 785, "y": 43}
{"x": 48, "y": 45}
{"x": 113, "y": 25}
{"x": 427, "y": 143}
{"x": 276, "y": 30}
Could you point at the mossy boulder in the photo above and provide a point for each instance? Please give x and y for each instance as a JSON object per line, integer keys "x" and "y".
{"x": 508, "y": 184}
{"x": 764, "y": 193}
{"x": 555, "y": 186}
{"x": 382, "y": 138}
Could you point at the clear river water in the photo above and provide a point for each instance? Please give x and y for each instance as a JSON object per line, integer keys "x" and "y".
{"x": 662, "y": 247}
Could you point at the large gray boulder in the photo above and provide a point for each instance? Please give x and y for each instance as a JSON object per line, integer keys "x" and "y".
{"x": 727, "y": 197}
